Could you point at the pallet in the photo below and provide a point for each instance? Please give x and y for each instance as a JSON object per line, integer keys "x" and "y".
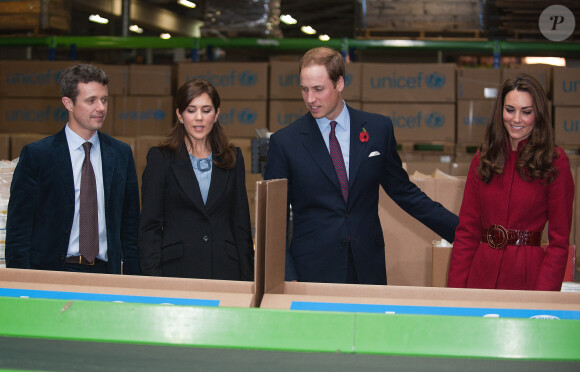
{"x": 35, "y": 16}
{"x": 427, "y": 148}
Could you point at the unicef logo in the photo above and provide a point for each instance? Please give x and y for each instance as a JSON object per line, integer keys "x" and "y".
{"x": 347, "y": 80}
{"x": 544, "y": 317}
{"x": 435, "y": 120}
{"x": 247, "y": 117}
{"x": 158, "y": 114}
{"x": 435, "y": 80}
{"x": 248, "y": 78}
{"x": 60, "y": 114}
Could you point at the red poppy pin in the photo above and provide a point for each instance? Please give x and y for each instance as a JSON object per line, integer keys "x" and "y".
{"x": 364, "y": 135}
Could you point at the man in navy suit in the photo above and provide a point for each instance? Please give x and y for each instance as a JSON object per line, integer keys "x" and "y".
{"x": 43, "y": 228}
{"x": 336, "y": 232}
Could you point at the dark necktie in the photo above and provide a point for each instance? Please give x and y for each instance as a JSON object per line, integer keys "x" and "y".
{"x": 88, "y": 212}
{"x": 338, "y": 160}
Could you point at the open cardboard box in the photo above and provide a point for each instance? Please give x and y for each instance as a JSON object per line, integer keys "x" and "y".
{"x": 279, "y": 294}
{"x": 133, "y": 288}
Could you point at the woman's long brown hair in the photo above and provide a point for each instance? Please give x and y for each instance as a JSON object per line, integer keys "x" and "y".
{"x": 535, "y": 158}
{"x": 224, "y": 154}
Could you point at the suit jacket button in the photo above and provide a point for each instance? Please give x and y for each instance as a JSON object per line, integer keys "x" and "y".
{"x": 205, "y": 238}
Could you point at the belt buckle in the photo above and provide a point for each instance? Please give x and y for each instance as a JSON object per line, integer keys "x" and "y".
{"x": 490, "y": 236}
{"x": 87, "y": 262}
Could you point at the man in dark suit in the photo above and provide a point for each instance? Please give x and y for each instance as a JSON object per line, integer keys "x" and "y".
{"x": 46, "y": 228}
{"x": 336, "y": 232}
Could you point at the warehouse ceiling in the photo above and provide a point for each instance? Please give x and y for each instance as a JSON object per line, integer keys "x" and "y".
{"x": 491, "y": 19}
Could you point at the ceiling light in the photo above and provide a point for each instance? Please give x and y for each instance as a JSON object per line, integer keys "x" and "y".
{"x": 165, "y": 36}
{"x": 554, "y": 61}
{"x": 287, "y": 18}
{"x": 98, "y": 19}
{"x": 323, "y": 37}
{"x": 136, "y": 29}
{"x": 186, "y": 3}
{"x": 308, "y": 30}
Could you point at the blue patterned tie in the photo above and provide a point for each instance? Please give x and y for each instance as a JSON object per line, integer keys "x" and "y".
{"x": 338, "y": 160}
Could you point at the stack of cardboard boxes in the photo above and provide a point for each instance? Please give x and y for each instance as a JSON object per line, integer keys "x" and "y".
{"x": 476, "y": 92}
{"x": 420, "y": 100}
{"x": 140, "y": 106}
{"x": 30, "y": 101}
{"x": 243, "y": 89}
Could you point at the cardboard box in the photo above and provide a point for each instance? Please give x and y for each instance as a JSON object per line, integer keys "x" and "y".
{"x": 283, "y": 112}
{"x": 441, "y": 255}
{"x": 477, "y": 83}
{"x": 5, "y": 147}
{"x": 407, "y": 241}
{"x": 31, "y": 78}
{"x": 118, "y": 79}
{"x": 566, "y": 125}
{"x": 418, "y": 122}
{"x": 242, "y": 118}
{"x": 543, "y": 73}
{"x": 142, "y": 146}
{"x": 150, "y": 80}
{"x": 233, "y": 80}
{"x": 32, "y": 115}
{"x": 285, "y": 81}
{"x": 127, "y": 288}
{"x": 409, "y": 82}
{"x": 142, "y": 115}
{"x": 245, "y": 144}
{"x": 19, "y": 140}
{"x": 566, "y": 86}
{"x": 278, "y": 294}
{"x": 472, "y": 118}
{"x": 428, "y": 167}
{"x": 460, "y": 168}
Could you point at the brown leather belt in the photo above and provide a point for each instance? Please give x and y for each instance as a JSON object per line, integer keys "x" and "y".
{"x": 80, "y": 260}
{"x": 498, "y": 237}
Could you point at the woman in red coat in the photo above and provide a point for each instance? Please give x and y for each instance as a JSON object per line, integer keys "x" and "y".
{"x": 518, "y": 180}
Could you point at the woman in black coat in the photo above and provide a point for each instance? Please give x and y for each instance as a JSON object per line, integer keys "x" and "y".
{"x": 195, "y": 219}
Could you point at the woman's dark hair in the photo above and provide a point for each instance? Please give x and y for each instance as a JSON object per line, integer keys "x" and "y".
{"x": 224, "y": 154}
{"x": 535, "y": 158}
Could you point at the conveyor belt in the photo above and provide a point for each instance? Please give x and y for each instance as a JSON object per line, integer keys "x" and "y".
{"x": 44, "y": 334}
{"x": 57, "y": 355}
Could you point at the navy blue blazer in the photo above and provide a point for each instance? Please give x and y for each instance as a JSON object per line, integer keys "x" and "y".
{"x": 322, "y": 222}
{"x": 42, "y": 201}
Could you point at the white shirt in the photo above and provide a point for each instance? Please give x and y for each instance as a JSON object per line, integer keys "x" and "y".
{"x": 342, "y": 132}
{"x": 77, "y": 156}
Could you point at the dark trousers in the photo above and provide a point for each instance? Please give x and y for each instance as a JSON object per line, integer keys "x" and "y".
{"x": 100, "y": 267}
{"x": 351, "y": 275}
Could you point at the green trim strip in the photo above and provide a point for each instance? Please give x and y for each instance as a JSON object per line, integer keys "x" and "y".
{"x": 477, "y": 46}
{"x": 286, "y": 330}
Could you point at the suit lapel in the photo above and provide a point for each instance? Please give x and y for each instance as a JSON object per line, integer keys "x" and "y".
{"x": 185, "y": 176}
{"x": 108, "y": 165}
{"x": 316, "y": 147}
{"x": 357, "y": 147}
{"x": 219, "y": 179}
{"x": 62, "y": 161}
